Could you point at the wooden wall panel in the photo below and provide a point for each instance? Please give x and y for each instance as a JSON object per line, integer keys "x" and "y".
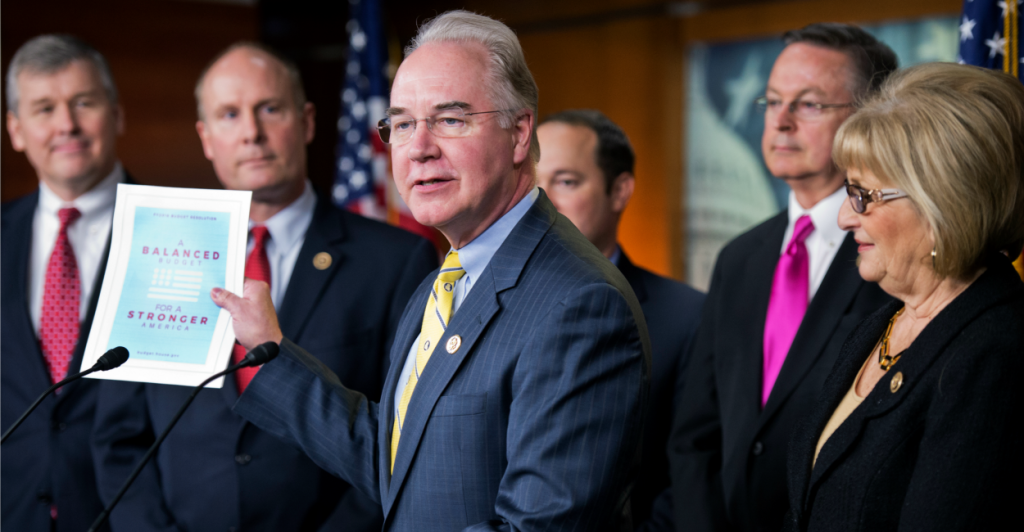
{"x": 156, "y": 50}
{"x": 631, "y": 70}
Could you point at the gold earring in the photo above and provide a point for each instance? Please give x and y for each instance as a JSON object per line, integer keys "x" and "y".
{"x": 933, "y": 258}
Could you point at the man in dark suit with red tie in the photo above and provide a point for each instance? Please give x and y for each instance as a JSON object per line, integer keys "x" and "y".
{"x": 340, "y": 282}
{"x": 63, "y": 114}
{"x": 783, "y": 297}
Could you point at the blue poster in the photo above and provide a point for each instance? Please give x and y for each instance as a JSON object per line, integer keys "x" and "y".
{"x": 175, "y": 258}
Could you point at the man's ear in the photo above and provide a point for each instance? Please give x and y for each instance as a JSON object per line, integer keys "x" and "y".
{"x": 309, "y": 121}
{"x": 203, "y": 138}
{"x": 622, "y": 190}
{"x": 522, "y": 135}
{"x": 119, "y": 119}
{"x": 14, "y": 130}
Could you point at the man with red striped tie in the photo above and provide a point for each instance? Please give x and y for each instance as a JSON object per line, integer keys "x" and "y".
{"x": 63, "y": 114}
{"x": 340, "y": 283}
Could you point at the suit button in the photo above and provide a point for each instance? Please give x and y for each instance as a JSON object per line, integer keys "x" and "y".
{"x": 758, "y": 448}
{"x": 243, "y": 459}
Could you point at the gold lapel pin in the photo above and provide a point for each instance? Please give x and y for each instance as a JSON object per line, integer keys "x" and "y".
{"x": 453, "y": 345}
{"x": 896, "y": 382}
{"x": 322, "y": 260}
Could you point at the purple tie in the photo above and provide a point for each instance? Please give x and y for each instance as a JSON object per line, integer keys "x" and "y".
{"x": 787, "y": 305}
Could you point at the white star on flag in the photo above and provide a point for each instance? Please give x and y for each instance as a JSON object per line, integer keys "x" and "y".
{"x": 995, "y": 45}
{"x": 967, "y": 29}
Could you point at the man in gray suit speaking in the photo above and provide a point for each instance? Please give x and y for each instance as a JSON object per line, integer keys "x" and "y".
{"x": 519, "y": 373}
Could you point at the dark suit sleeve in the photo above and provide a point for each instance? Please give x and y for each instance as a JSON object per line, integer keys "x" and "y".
{"x": 121, "y": 436}
{"x": 695, "y": 444}
{"x": 421, "y": 262}
{"x": 662, "y": 516}
{"x": 969, "y": 455}
{"x": 579, "y": 393}
{"x": 300, "y": 400}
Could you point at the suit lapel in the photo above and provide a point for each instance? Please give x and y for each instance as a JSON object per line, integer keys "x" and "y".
{"x": 471, "y": 320}
{"x": 632, "y": 275}
{"x": 837, "y": 290}
{"x": 989, "y": 290}
{"x": 19, "y": 242}
{"x": 759, "y": 275}
{"x": 326, "y": 234}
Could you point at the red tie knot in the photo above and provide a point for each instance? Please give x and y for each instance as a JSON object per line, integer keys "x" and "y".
{"x": 259, "y": 235}
{"x": 68, "y": 216}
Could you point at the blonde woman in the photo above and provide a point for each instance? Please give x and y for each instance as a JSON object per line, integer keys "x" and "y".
{"x": 918, "y": 427}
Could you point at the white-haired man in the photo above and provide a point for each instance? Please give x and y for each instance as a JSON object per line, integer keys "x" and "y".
{"x": 528, "y": 414}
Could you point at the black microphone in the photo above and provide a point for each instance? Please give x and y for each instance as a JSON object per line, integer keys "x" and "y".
{"x": 260, "y": 354}
{"x": 109, "y": 360}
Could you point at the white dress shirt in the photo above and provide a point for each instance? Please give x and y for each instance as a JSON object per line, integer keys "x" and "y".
{"x": 88, "y": 237}
{"x": 287, "y": 231}
{"x": 823, "y": 243}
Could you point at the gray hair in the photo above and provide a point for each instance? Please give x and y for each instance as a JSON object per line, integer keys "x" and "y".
{"x": 509, "y": 80}
{"x": 294, "y": 76}
{"x": 47, "y": 54}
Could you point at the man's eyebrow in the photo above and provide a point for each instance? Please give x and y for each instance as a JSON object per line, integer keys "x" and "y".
{"x": 448, "y": 106}
{"x": 444, "y": 106}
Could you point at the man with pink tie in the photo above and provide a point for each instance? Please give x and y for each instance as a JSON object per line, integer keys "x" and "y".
{"x": 783, "y": 296}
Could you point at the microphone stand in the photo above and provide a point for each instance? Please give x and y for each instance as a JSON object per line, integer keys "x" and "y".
{"x": 110, "y": 360}
{"x": 260, "y": 354}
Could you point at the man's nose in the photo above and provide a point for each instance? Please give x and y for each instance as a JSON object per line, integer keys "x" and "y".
{"x": 423, "y": 144}
{"x": 65, "y": 119}
{"x": 252, "y": 128}
{"x": 781, "y": 120}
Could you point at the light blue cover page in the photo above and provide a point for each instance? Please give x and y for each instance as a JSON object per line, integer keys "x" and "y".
{"x": 165, "y": 312}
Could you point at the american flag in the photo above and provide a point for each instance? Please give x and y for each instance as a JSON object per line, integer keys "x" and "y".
{"x": 362, "y": 178}
{"x": 990, "y": 38}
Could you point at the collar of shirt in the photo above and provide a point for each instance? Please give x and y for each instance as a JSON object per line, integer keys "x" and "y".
{"x": 476, "y": 255}
{"x": 88, "y": 238}
{"x": 823, "y": 243}
{"x": 91, "y": 204}
{"x": 288, "y": 227}
{"x": 616, "y": 255}
{"x": 287, "y": 231}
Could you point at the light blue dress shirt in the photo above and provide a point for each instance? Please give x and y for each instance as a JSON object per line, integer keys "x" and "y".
{"x": 474, "y": 257}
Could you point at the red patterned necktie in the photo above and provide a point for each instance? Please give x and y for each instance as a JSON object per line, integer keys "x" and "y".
{"x": 787, "y": 305}
{"x": 257, "y": 267}
{"x": 58, "y": 324}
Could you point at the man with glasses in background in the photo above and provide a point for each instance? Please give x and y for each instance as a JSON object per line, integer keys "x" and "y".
{"x": 783, "y": 296}
{"x": 519, "y": 374}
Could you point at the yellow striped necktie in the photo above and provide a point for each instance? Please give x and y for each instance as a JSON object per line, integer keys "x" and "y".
{"x": 435, "y": 321}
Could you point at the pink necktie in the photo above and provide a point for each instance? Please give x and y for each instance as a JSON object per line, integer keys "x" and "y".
{"x": 257, "y": 267}
{"x": 58, "y": 324}
{"x": 787, "y": 305}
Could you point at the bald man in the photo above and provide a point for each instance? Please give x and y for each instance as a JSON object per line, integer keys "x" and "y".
{"x": 340, "y": 282}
